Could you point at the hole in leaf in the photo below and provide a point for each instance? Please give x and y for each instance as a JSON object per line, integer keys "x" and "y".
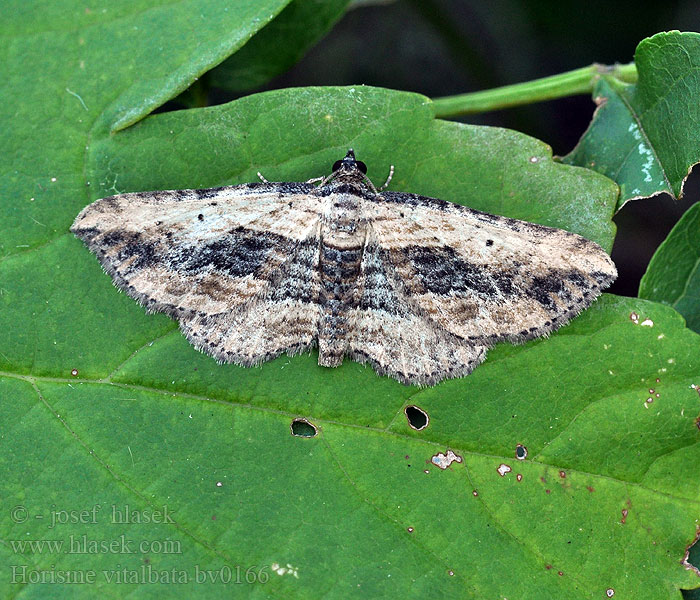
{"x": 445, "y": 460}
{"x": 303, "y": 428}
{"x": 520, "y": 452}
{"x": 503, "y": 469}
{"x": 692, "y": 555}
{"x": 417, "y": 418}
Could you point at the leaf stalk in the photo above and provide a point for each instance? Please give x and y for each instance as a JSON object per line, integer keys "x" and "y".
{"x": 570, "y": 83}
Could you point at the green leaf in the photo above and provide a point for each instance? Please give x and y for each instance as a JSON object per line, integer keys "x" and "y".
{"x": 279, "y": 45}
{"x": 106, "y": 410}
{"x": 608, "y": 474}
{"x": 644, "y": 136}
{"x": 99, "y": 68}
{"x": 496, "y": 170}
{"x": 673, "y": 275}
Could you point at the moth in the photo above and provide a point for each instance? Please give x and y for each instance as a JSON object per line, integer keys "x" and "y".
{"x": 417, "y": 287}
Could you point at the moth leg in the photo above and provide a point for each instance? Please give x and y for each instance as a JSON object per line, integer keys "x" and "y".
{"x": 388, "y": 179}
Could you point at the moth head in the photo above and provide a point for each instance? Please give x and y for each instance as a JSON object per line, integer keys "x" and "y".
{"x": 349, "y": 164}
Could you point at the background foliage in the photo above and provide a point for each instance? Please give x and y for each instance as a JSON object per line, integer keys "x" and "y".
{"x": 107, "y": 410}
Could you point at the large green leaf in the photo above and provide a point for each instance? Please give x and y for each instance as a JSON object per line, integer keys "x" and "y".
{"x": 93, "y": 70}
{"x": 103, "y": 406}
{"x": 289, "y": 135}
{"x": 644, "y": 136}
{"x": 609, "y": 481}
{"x": 673, "y": 275}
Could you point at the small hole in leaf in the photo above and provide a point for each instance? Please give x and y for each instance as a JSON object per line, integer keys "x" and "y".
{"x": 503, "y": 469}
{"x": 417, "y": 418}
{"x": 520, "y": 452}
{"x": 692, "y": 555}
{"x": 303, "y": 428}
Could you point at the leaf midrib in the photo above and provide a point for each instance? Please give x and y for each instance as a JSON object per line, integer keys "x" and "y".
{"x": 436, "y": 444}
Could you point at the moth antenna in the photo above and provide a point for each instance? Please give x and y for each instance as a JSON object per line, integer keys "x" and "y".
{"x": 325, "y": 180}
{"x": 388, "y": 179}
{"x": 262, "y": 178}
{"x": 371, "y": 185}
{"x": 314, "y": 179}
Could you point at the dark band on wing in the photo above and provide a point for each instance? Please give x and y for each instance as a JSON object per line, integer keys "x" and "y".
{"x": 283, "y": 187}
{"x": 238, "y": 253}
{"x": 440, "y": 271}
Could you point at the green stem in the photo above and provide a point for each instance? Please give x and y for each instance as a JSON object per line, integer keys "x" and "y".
{"x": 578, "y": 81}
